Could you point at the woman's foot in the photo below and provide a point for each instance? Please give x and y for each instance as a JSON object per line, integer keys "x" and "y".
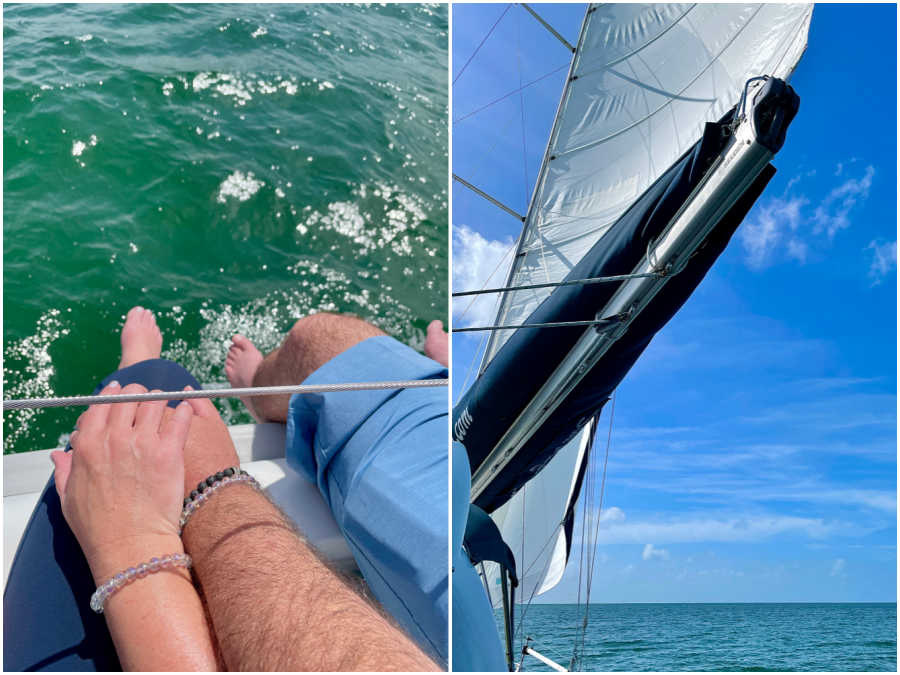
{"x": 141, "y": 339}
{"x": 240, "y": 366}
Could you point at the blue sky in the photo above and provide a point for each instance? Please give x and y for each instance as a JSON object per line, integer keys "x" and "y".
{"x": 753, "y": 453}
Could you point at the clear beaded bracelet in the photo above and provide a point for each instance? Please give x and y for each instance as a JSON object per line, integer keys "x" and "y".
{"x": 98, "y": 599}
{"x": 198, "y": 497}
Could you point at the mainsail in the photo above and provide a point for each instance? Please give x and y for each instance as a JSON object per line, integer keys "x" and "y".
{"x": 645, "y": 79}
{"x": 650, "y": 109}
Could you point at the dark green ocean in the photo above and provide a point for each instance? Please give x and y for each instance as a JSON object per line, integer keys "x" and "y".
{"x": 715, "y": 637}
{"x": 231, "y": 167}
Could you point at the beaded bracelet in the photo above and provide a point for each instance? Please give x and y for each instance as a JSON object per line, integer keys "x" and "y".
{"x": 205, "y": 488}
{"x": 122, "y": 578}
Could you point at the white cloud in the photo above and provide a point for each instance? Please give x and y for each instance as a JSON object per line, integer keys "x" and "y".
{"x": 783, "y": 223}
{"x": 773, "y": 220}
{"x": 832, "y": 214}
{"x": 882, "y": 500}
{"x": 477, "y": 263}
{"x": 650, "y": 552}
{"x": 612, "y": 515}
{"x": 797, "y": 249}
{"x": 884, "y": 259}
{"x": 730, "y": 529}
{"x": 837, "y": 568}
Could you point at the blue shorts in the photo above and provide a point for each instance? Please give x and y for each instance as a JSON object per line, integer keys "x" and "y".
{"x": 380, "y": 460}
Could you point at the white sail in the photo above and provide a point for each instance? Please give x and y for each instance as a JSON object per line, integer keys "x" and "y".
{"x": 644, "y": 81}
{"x": 540, "y": 506}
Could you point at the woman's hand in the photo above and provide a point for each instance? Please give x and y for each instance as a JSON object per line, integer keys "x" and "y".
{"x": 121, "y": 486}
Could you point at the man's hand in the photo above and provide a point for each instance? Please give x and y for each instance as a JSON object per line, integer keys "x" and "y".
{"x": 209, "y": 447}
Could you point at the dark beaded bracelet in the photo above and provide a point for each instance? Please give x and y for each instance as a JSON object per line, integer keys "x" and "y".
{"x": 205, "y": 488}
{"x": 203, "y": 485}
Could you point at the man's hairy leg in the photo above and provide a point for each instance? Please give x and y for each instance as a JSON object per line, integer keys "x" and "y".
{"x": 273, "y": 604}
{"x": 312, "y": 341}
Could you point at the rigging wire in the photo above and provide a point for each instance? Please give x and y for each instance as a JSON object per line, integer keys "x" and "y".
{"x": 522, "y": 620}
{"x": 481, "y": 44}
{"x": 480, "y": 163}
{"x": 588, "y": 486}
{"x": 610, "y": 322}
{"x": 490, "y": 276}
{"x": 591, "y": 546}
{"x": 585, "y": 508}
{"x": 481, "y": 343}
{"x": 554, "y": 284}
{"x": 462, "y": 389}
{"x": 522, "y": 107}
{"x": 511, "y": 93}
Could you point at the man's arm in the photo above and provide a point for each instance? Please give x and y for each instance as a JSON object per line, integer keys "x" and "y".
{"x": 275, "y": 605}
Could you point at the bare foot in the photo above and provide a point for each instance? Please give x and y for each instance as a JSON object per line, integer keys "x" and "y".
{"x": 141, "y": 339}
{"x": 436, "y": 343}
{"x": 240, "y": 366}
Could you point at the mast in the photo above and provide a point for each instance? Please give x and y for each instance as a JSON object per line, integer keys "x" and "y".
{"x": 485, "y": 357}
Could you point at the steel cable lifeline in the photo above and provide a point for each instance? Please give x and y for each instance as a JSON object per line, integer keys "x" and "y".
{"x": 64, "y": 401}
{"x": 549, "y": 324}
{"x": 554, "y": 284}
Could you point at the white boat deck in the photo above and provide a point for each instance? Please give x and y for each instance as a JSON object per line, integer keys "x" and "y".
{"x": 260, "y": 448}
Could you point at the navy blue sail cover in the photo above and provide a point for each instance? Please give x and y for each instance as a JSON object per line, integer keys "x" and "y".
{"x": 530, "y": 355}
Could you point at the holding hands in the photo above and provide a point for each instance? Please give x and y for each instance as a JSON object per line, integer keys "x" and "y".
{"x": 132, "y": 464}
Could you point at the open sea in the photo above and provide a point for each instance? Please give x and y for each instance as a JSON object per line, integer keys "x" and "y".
{"x": 231, "y": 167}
{"x": 716, "y": 637}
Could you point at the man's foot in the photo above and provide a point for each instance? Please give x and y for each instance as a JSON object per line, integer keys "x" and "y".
{"x": 437, "y": 343}
{"x": 240, "y": 366}
{"x": 141, "y": 339}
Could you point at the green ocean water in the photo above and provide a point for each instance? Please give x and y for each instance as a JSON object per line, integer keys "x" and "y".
{"x": 714, "y": 637}
{"x": 232, "y": 167}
